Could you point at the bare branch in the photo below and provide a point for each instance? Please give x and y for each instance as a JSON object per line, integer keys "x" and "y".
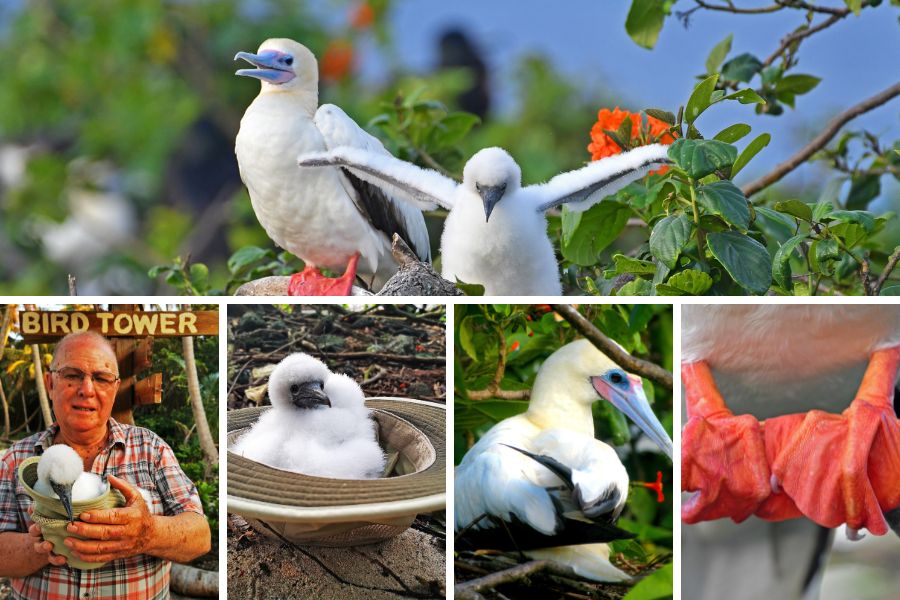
{"x": 741, "y": 11}
{"x": 469, "y": 590}
{"x": 821, "y": 140}
{"x": 630, "y": 363}
{"x": 888, "y": 268}
{"x": 493, "y": 389}
{"x": 801, "y": 34}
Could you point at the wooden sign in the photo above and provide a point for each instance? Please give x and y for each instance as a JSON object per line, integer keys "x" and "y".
{"x": 39, "y": 326}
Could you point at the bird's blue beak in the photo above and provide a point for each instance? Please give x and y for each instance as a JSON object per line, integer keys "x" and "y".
{"x": 309, "y": 394}
{"x": 490, "y": 196}
{"x": 65, "y": 496}
{"x": 272, "y": 66}
{"x": 633, "y": 404}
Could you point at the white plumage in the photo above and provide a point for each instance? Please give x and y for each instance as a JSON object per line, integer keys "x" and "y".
{"x": 61, "y": 475}
{"x": 326, "y": 216}
{"x": 496, "y": 232}
{"x": 771, "y": 360}
{"x": 496, "y": 479}
{"x": 318, "y": 424}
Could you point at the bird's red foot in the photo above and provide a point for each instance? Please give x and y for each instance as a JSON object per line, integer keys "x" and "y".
{"x": 844, "y": 468}
{"x": 723, "y": 457}
{"x": 311, "y": 282}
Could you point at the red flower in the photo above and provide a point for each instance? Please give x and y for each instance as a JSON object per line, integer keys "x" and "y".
{"x": 337, "y": 60}
{"x": 656, "y": 486}
{"x": 514, "y": 347}
{"x": 362, "y": 15}
{"x": 602, "y": 145}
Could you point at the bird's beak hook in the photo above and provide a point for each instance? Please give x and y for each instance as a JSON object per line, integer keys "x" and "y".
{"x": 65, "y": 496}
{"x": 490, "y": 196}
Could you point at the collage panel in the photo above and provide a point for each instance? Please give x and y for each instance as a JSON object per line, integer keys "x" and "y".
{"x": 337, "y": 454}
{"x": 109, "y": 466}
{"x": 790, "y": 451}
{"x": 563, "y": 418}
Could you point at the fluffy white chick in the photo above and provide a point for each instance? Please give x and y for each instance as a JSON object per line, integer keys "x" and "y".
{"x": 318, "y": 424}
{"x": 61, "y": 475}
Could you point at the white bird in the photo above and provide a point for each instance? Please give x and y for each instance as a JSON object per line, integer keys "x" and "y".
{"x": 318, "y": 424}
{"x": 542, "y": 478}
{"x": 496, "y": 232}
{"x": 329, "y": 217}
{"x": 771, "y": 360}
{"x": 61, "y": 475}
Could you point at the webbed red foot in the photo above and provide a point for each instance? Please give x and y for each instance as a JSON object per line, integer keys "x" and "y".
{"x": 844, "y": 468}
{"x": 311, "y": 282}
{"x": 723, "y": 457}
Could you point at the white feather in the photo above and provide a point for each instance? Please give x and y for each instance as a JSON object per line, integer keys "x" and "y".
{"x": 60, "y": 464}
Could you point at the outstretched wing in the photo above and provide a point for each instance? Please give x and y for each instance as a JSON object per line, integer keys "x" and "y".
{"x": 584, "y": 187}
{"x": 424, "y": 188}
{"x": 384, "y": 212}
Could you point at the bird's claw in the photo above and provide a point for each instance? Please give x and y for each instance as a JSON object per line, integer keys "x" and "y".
{"x": 853, "y": 534}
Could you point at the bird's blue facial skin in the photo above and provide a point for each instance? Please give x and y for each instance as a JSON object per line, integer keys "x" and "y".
{"x": 273, "y": 66}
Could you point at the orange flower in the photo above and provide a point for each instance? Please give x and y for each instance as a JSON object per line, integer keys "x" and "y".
{"x": 337, "y": 60}
{"x": 362, "y": 15}
{"x": 602, "y": 145}
{"x": 514, "y": 347}
{"x": 656, "y": 486}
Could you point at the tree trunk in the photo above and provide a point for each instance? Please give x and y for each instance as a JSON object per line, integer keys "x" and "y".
{"x": 5, "y": 412}
{"x": 4, "y": 332}
{"x": 207, "y": 444}
{"x": 39, "y": 380}
{"x": 194, "y": 582}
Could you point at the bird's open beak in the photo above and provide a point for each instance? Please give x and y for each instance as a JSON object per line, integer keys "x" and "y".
{"x": 633, "y": 403}
{"x": 309, "y": 394}
{"x": 490, "y": 196}
{"x": 267, "y": 69}
{"x": 65, "y": 496}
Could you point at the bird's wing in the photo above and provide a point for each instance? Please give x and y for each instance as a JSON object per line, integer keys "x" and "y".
{"x": 384, "y": 212}
{"x": 423, "y": 188}
{"x": 582, "y": 188}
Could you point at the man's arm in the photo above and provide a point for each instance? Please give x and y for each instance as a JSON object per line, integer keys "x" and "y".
{"x": 130, "y": 530}
{"x": 22, "y": 554}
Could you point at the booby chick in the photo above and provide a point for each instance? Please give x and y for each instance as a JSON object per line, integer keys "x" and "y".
{"x": 318, "y": 424}
{"x": 542, "y": 478}
{"x": 328, "y": 217}
{"x": 61, "y": 475}
{"x": 496, "y": 232}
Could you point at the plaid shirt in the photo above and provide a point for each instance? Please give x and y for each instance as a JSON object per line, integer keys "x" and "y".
{"x": 133, "y": 453}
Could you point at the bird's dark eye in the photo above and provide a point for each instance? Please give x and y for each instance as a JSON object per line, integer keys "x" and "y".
{"x": 478, "y": 186}
{"x": 616, "y": 377}
{"x": 289, "y": 60}
{"x": 295, "y": 388}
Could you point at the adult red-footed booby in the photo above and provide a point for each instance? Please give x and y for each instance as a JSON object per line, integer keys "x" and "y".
{"x": 328, "y": 217}
{"x": 496, "y": 232}
{"x": 543, "y": 479}
{"x": 750, "y": 451}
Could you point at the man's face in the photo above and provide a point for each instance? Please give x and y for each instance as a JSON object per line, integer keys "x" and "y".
{"x": 82, "y": 405}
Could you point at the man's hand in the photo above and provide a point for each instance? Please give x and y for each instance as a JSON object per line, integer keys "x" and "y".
{"x": 115, "y": 533}
{"x": 41, "y": 546}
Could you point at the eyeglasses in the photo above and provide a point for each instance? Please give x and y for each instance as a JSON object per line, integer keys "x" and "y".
{"x": 72, "y": 377}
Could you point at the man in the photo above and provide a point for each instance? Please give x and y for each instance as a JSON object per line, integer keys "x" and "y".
{"x": 137, "y": 540}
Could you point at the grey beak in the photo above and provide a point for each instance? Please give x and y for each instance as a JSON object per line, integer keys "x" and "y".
{"x": 490, "y": 196}
{"x": 65, "y": 496}
{"x": 309, "y": 394}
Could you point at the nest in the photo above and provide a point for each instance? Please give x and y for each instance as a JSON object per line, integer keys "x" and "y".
{"x": 311, "y": 510}
{"x": 50, "y": 514}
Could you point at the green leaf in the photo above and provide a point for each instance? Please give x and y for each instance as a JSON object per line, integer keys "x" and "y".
{"x": 645, "y": 20}
{"x": 725, "y": 199}
{"x": 822, "y": 210}
{"x": 636, "y": 287}
{"x": 689, "y": 282}
{"x": 700, "y": 98}
{"x": 862, "y": 190}
{"x": 623, "y": 143}
{"x": 246, "y": 256}
{"x": 624, "y": 133}
{"x": 741, "y": 68}
{"x": 451, "y": 129}
{"x": 466, "y": 336}
{"x": 758, "y": 143}
{"x": 699, "y": 158}
{"x": 854, "y": 5}
{"x": 586, "y": 234}
{"x": 796, "y": 84}
{"x": 781, "y": 265}
{"x": 199, "y": 274}
{"x": 795, "y": 208}
{"x": 823, "y": 254}
{"x": 733, "y": 133}
{"x": 669, "y": 237}
{"x": 656, "y": 586}
{"x": 860, "y": 217}
{"x": 663, "y": 115}
{"x": 746, "y": 260}
{"x": 717, "y": 55}
{"x": 891, "y": 290}
{"x": 470, "y": 289}
{"x": 626, "y": 264}
{"x": 851, "y": 233}
{"x": 745, "y": 96}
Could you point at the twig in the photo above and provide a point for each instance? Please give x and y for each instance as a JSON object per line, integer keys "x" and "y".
{"x": 493, "y": 388}
{"x": 891, "y": 263}
{"x": 864, "y": 276}
{"x": 821, "y": 140}
{"x": 471, "y": 588}
{"x": 741, "y": 11}
{"x": 797, "y": 36}
{"x": 630, "y": 363}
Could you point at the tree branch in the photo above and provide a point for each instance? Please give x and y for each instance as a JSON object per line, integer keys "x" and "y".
{"x": 493, "y": 389}
{"x": 469, "y": 590}
{"x": 740, "y": 11}
{"x": 630, "y": 363}
{"x": 821, "y": 140}
{"x": 796, "y": 36}
{"x": 888, "y": 268}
